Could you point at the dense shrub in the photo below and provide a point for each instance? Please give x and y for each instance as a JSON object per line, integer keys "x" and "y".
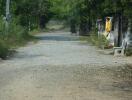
{"x": 15, "y": 36}
{"x": 17, "y": 32}
{"x": 4, "y": 49}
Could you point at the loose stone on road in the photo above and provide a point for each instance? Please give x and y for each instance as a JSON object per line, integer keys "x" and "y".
{"x": 61, "y": 67}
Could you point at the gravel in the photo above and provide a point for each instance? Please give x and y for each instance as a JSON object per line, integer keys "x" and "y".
{"x": 60, "y": 67}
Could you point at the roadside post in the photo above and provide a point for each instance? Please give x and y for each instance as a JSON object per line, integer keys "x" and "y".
{"x": 7, "y": 16}
{"x": 99, "y": 27}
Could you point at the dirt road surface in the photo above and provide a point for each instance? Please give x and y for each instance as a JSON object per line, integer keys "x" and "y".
{"x": 60, "y": 67}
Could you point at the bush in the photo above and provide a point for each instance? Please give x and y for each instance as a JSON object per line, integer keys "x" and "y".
{"x": 16, "y": 35}
{"x": 128, "y": 52}
{"x": 2, "y": 28}
{"x": 4, "y": 49}
{"x": 100, "y": 41}
{"x": 17, "y": 32}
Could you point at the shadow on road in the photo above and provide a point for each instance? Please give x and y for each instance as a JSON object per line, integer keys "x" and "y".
{"x": 58, "y": 38}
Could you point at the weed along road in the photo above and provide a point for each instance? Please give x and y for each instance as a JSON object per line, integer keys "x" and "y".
{"x": 60, "y": 67}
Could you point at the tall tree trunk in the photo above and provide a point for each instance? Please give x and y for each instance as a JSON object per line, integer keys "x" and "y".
{"x": 85, "y": 28}
{"x": 42, "y": 21}
{"x": 130, "y": 25}
{"x": 119, "y": 29}
{"x": 73, "y": 26}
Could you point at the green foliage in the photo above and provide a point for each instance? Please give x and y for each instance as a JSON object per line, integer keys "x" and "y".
{"x": 2, "y": 27}
{"x": 30, "y": 11}
{"x": 85, "y": 12}
{"x": 16, "y": 31}
{"x": 35, "y": 14}
{"x": 60, "y": 8}
{"x": 100, "y": 41}
{"x": 16, "y": 35}
{"x": 4, "y": 49}
{"x": 25, "y": 14}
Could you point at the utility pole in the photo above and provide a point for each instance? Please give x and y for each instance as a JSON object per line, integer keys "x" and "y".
{"x": 7, "y": 15}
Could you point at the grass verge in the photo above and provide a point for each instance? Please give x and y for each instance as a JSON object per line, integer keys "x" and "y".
{"x": 100, "y": 42}
{"x": 15, "y": 37}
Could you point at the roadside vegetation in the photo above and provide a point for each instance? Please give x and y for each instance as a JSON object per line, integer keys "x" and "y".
{"x": 101, "y": 42}
{"x": 80, "y": 15}
{"x": 83, "y": 14}
{"x": 25, "y": 16}
{"x": 16, "y": 36}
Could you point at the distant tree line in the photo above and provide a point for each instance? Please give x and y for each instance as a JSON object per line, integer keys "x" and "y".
{"x": 84, "y": 13}
{"x": 25, "y": 15}
{"x": 29, "y": 13}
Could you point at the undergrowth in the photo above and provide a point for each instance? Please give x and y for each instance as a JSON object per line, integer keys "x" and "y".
{"x": 14, "y": 37}
{"x": 100, "y": 41}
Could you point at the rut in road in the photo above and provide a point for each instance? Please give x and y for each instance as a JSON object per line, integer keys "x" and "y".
{"x": 60, "y": 67}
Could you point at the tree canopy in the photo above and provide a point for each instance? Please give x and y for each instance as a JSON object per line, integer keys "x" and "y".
{"x": 83, "y": 12}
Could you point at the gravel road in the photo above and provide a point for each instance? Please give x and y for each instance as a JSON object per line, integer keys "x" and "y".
{"x": 60, "y": 67}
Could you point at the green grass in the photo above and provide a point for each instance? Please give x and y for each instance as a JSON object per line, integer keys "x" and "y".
{"x": 4, "y": 49}
{"x": 10, "y": 43}
{"x": 15, "y": 37}
{"x": 100, "y": 42}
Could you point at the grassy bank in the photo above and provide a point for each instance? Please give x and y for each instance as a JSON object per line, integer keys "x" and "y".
{"x": 15, "y": 36}
{"x": 100, "y": 42}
